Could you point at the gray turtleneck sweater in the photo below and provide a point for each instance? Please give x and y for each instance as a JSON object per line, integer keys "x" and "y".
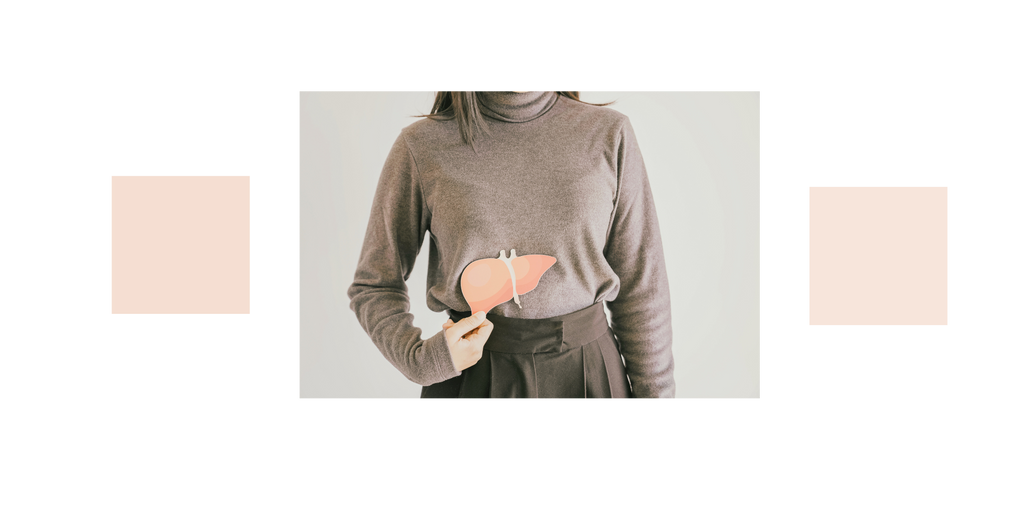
{"x": 554, "y": 176}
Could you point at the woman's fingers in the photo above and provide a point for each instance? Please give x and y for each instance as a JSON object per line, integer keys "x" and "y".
{"x": 482, "y": 333}
{"x": 462, "y": 327}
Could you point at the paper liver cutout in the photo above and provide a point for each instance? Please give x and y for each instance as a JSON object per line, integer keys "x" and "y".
{"x": 491, "y": 281}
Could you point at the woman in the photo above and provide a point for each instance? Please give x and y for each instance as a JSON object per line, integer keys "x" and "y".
{"x": 542, "y": 173}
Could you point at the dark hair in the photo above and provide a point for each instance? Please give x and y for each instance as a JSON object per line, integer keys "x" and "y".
{"x": 463, "y": 106}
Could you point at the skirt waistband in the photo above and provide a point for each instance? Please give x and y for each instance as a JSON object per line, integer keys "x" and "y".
{"x": 554, "y": 334}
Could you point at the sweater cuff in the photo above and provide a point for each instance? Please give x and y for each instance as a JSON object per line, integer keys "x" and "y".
{"x": 437, "y": 348}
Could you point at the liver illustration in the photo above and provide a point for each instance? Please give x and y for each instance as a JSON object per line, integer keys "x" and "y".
{"x": 488, "y": 282}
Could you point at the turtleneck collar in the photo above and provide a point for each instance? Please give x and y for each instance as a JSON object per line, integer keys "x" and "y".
{"x": 516, "y": 107}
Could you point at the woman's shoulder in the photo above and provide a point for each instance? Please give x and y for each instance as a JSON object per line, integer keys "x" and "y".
{"x": 601, "y": 115}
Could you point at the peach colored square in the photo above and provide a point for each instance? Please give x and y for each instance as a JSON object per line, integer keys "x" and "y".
{"x": 181, "y": 244}
{"x": 878, "y": 256}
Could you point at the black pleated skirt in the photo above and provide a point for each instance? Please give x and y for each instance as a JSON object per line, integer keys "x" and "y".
{"x": 569, "y": 356}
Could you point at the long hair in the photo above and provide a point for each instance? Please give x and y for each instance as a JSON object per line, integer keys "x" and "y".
{"x": 465, "y": 109}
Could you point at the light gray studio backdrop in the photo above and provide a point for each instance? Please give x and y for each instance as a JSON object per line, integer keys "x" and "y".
{"x": 701, "y": 150}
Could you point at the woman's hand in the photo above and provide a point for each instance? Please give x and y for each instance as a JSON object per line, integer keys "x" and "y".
{"x": 466, "y": 339}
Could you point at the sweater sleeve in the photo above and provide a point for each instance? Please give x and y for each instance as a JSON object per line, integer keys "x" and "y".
{"x": 641, "y": 315}
{"x": 379, "y": 296}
